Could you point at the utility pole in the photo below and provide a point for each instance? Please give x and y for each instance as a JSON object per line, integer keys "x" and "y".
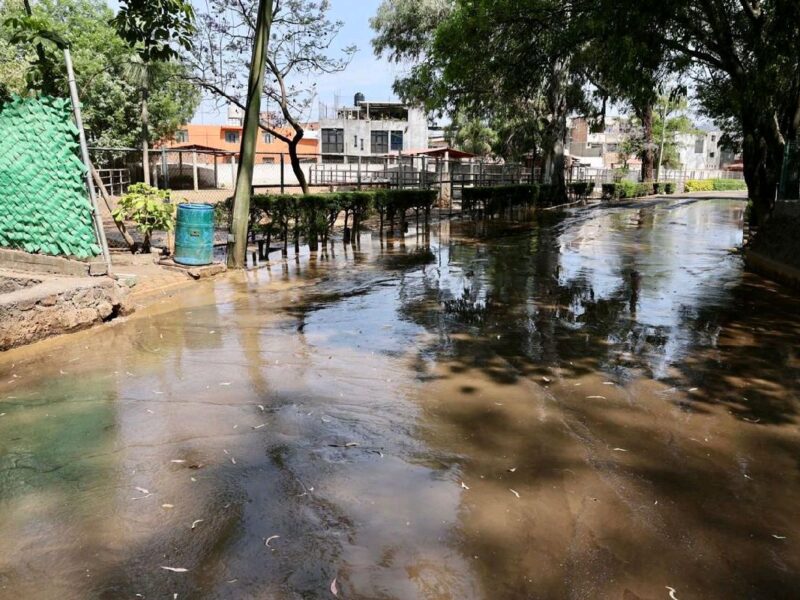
{"x": 237, "y": 239}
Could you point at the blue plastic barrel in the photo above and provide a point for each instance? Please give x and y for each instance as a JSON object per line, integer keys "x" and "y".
{"x": 194, "y": 235}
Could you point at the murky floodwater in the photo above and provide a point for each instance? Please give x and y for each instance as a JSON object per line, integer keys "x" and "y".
{"x": 598, "y": 405}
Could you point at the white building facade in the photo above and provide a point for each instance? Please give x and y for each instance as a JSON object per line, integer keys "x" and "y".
{"x": 371, "y": 129}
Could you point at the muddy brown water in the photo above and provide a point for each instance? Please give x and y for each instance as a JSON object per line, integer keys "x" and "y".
{"x": 598, "y": 404}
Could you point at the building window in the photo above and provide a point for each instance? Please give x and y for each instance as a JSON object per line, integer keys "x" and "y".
{"x": 182, "y": 136}
{"x": 397, "y": 141}
{"x": 713, "y": 138}
{"x": 333, "y": 141}
{"x": 362, "y": 144}
{"x": 380, "y": 142}
{"x": 267, "y": 138}
{"x": 699, "y": 144}
{"x": 232, "y": 137}
{"x": 712, "y": 154}
{"x": 355, "y": 141}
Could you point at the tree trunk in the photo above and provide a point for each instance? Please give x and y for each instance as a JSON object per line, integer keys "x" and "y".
{"x": 146, "y": 129}
{"x": 648, "y": 155}
{"x": 762, "y": 167}
{"x": 557, "y": 102}
{"x": 237, "y": 246}
{"x": 295, "y": 160}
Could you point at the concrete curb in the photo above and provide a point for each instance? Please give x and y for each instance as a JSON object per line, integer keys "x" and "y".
{"x": 772, "y": 269}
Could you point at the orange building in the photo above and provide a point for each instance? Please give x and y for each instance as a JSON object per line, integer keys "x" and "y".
{"x": 224, "y": 142}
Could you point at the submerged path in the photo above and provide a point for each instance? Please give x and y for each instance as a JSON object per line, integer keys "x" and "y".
{"x": 598, "y": 405}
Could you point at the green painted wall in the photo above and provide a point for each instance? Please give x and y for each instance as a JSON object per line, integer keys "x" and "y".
{"x": 44, "y": 205}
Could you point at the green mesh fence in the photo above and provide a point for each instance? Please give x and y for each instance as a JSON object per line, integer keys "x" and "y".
{"x": 44, "y": 206}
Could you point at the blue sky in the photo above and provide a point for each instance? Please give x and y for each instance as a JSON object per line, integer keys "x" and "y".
{"x": 366, "y": 73}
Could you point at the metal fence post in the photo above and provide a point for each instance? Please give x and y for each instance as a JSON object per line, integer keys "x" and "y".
{"x": 194, "y": 171}
{"x": 283, "y": 175}
{"x": 164, "y": 168}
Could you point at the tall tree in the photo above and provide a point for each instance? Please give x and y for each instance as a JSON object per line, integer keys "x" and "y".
{"x": 471, "y": 135}
{"x": 626, "y": 62}
{"x": 109, "y": 95}
{"x": 524, "y": 59}
{"x": 299, "y": 52}
{"x": 237, "y": 247}
{"x": 155, "y": 29}
{"x": 742, "y": 56}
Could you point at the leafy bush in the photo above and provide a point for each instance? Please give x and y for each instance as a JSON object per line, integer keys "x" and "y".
{"x": 493, "y": 199}
{"x": 699, "y": 185}
{"x": 314, "y": 215}
{"x": 626, "y": 189}
{"x": 715, "y": 185}
{"x": 148, "y": 208}
{"x": 725, "y": 185}
{"x": 580, "y": 190}
{"x": 669, "y": 188}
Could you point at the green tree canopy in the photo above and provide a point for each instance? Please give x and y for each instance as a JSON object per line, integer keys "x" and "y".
{"x": 109, "y": 93}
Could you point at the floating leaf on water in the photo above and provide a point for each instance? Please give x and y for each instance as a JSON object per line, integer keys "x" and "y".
{"x": 672, "y": 593}
{"x": 261, "y": 406}
{"x": 779, "y": 537}
{"x": 516, "y": 493}
{"x": 608, "y": 383}
{"x": 144, "y": 491}
{"x": 464, "y": 485}
{"x": 334, "y": 588}
{"x": 269, "y": 539}
{"x": 546, "y": 379}
{"x": 596, "y": 398}
{"x": 351, "y": 445}
{"x": 197, "y": 522}
{"x": 620, "y": 450}
{"x": 2, "y": 414}
{"x": 178, "y": 461}
{"x": 225, "y": 383}
{"x": 167, "y": 506}
{"x": 233, "y": 460}
{"x": 176, "y": 569}
{"x": 260, "y": 426}
{"x": 514, "y": 470}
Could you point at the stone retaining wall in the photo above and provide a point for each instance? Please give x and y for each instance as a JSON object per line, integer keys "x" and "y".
{"x": 56, "y": 305}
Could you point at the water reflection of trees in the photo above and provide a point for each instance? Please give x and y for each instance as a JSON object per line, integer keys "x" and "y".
{"x": 502, "y": 293}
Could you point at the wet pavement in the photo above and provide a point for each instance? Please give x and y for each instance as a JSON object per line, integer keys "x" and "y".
{"x": 595, "y": 404}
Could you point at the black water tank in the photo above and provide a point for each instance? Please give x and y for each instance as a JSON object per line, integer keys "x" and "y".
{"x": 359, "y": 98}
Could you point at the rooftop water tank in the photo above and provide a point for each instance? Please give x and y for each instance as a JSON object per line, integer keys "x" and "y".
{"x": 359, "y": 98}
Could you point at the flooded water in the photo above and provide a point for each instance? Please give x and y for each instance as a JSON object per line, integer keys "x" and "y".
{"x": 596, "y": 404}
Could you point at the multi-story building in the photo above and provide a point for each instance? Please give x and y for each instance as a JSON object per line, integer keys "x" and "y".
{"x": 226, "y": 140}
{"x": 369, "y": 129}
{"x": 700, "y": 150}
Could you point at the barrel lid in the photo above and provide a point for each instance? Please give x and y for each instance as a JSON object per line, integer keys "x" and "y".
{"x": 198, "y": 206}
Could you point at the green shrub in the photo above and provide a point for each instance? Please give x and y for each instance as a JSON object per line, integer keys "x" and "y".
{"x": 148, "y": 208}
{"x": 699, "y": 185}
{"x": 580, "y": 190}
{"x": 669, "y": 188}
{"x": 314, "y": 215}
{"x": 494, "y": 199}
{"x": 726, "y": 185}
{"x": 626, "y": 189}
{"x": 715, "y": 185}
